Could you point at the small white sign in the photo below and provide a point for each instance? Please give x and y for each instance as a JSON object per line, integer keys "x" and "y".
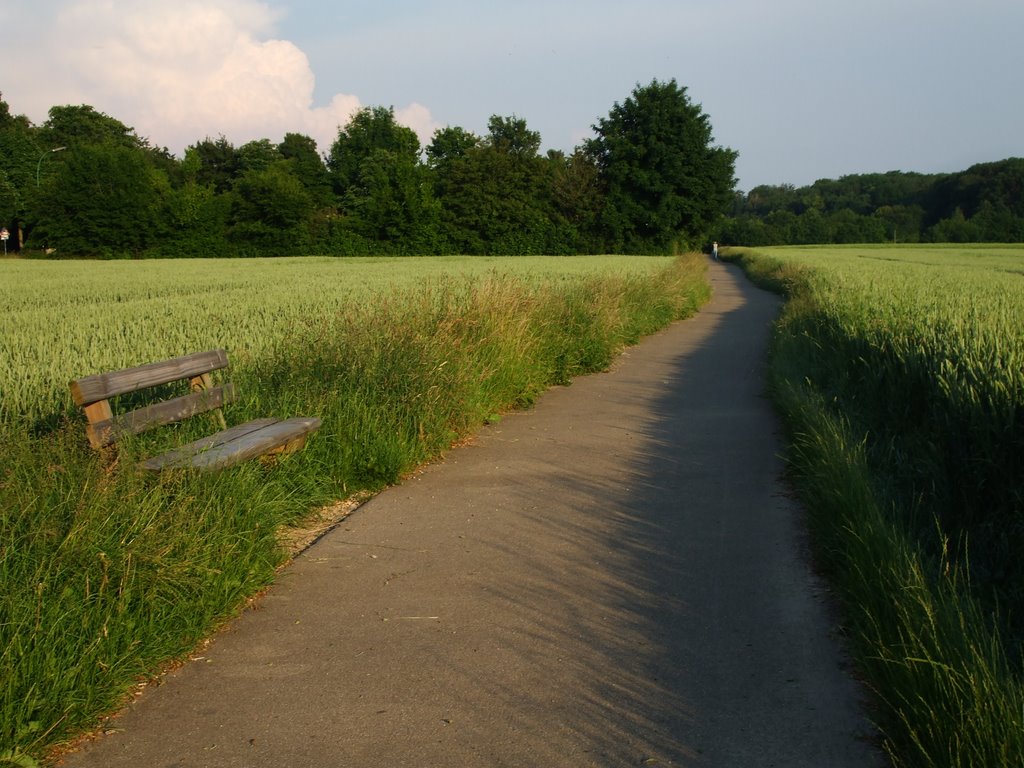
{"x": 4, "y": 234}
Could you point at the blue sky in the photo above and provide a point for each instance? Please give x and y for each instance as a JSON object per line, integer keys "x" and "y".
{"x": 801, "y": 89}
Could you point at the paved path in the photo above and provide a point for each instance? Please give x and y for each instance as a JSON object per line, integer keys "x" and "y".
{"x": 614, "y": 578}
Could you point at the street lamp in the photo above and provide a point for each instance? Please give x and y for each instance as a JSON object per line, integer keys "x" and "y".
{"x": 40, "y": 163}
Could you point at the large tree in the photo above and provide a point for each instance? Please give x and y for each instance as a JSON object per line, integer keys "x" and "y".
{"x": 370, "y": 129}
{"x": 19, "y": 155}
{"x": 495, "y": 193}
{"x": 384, "y": 191}
{"x": 269, "y": 212}
{"x": 667, "y": 183}
{"x": 308, "y": 167}
{"x": 578, "y": 199}
{"x": 219, "y": 163}
{"x": 103, "y": 199}
{"x": 392, "y": 202}
{"x": 448, "y": 145}
{"x": 72, "y": 126}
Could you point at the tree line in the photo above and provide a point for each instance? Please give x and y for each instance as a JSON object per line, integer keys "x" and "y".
{"x": 984, "y": 203}
{"x": 651, "y": 180}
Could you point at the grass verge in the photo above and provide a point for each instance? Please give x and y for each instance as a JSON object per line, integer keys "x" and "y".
{"x": 947, "y": 687}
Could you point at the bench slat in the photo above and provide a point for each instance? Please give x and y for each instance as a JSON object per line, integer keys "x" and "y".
{"x": 104, "y": 433}
{"x": 91, "y": 389}
{"x": 237, "y": 444}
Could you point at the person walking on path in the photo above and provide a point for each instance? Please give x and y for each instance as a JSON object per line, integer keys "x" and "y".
{"x": 714, "y": 250}
{"x": 615, "y": 577}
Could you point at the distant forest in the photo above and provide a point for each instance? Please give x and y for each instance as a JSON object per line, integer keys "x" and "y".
{"x": 83, "y": 184}
{"x": 651, "y": 180}
{"x": 985, "y": 203}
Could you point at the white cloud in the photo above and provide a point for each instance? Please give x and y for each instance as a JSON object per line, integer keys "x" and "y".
{"x": 418, "y": 117}
{"x": 179, "y": 72}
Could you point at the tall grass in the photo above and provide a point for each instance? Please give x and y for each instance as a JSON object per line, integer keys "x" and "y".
{"x": 66, "y": 319}
{"x": 105, "y": 574}
{"x": 895, "y": 371}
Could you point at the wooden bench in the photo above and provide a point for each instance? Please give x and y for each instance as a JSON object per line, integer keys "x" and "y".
{"x": 230, "y": 446}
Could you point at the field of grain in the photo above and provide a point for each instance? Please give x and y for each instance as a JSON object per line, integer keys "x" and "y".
{"x": 66, "y": 319}
{"x": 900, "y": 371}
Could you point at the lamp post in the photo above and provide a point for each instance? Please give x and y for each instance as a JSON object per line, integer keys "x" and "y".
{"x": 40, "y": 163}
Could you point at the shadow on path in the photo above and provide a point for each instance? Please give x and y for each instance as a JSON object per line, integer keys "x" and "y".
{"x": 714, "y": 636}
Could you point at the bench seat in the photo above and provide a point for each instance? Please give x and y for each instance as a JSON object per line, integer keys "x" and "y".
{"x": 237, "y": 444}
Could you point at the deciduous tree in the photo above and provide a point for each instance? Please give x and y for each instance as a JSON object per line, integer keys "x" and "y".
{"x": 308, "y": 166}
{"x": 392, "y": 202}
{"x": 270, "y": 208}
{"x": 667, "y": 183}
{"x": 219, "y": 163}
{"x": 103, "y": 199}
{"x": 369, "y": 129}
{"x": 384, "y": 191}
{"x": 19, "y": 154}
{"x": 448, "y": 145}
{"x": 496, "y": 194}
{"x": 73, "y": 126}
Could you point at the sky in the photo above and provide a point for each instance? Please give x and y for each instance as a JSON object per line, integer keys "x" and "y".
{"x": 801, "y": 89}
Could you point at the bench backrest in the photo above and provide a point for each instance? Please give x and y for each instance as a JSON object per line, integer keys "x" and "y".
{"x": 93, "y": 394}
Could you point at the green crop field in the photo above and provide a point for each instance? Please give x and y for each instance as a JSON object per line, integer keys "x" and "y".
{"x": 65, "y": 319}
{"x": 900, "y": 371}
{"x": 106, "y": 574}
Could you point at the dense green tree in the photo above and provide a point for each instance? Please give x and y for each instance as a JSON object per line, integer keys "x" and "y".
{"x": 578, "y": 197}
{"x": 999, "y": 183}
{"x": 496, "y": 196}
{"x": 164, "y": 161}
{"x": 447, "y": 149}
{"x": 385, "y": 192}
{"x": 9, "y": 214}
{"x": 257, "y": 155}
{"x": 956, "y": 229}
{"x": 74, "y": 126}
{"x": 811, "y": 227}
{"x": 370, "y": 129}
{"x": 845, "y": 194}
{"x": 448, "y": 145}
{"x": 392, "y": 202}
{"x": 651, "y": 180}
{"x": 197, "y": 216}
{"x": 893, "y": 206}
{"x": 847, "y": 226}
{"x": 744, "y": 230}
{"x": 6, "y": 118}
{"x": 901, "y": 223}
{"x": 781, "y": 227}
{"x": 103, "y": 199}
{"x": 306, "y": 164}
{"x": 666, "y": 182}
{"x": 510, "y": 136}
{"x": 764, "y": 199}
{"x": 19, "y": 154}
{"x": 997, "y": 223}
{"x": 269, "y": 212}
{"x": 219, "y": 163}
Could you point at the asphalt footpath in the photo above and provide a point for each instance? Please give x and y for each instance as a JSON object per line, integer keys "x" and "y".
{"x": 615, "y": 577}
